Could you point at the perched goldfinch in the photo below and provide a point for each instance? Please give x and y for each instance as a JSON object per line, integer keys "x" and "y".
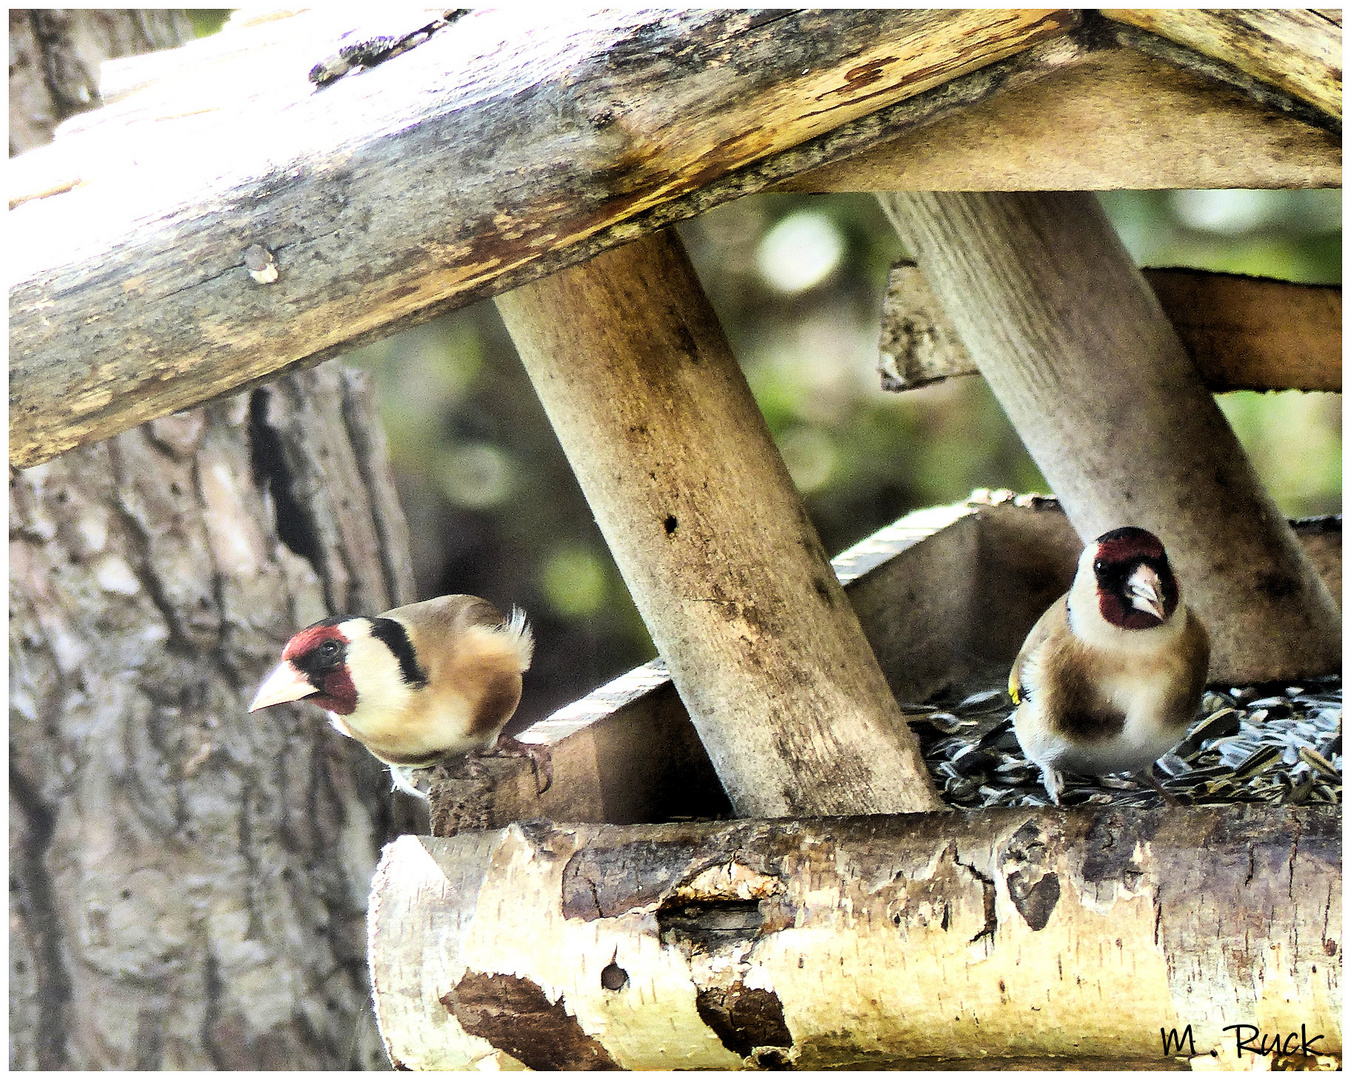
{"x": 1112, "y": 674}
{"x": 414, "y": 685}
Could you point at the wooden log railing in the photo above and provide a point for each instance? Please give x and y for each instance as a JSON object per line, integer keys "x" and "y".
{"x": 500, "y": 150}
{"x": 1002, "y": 938}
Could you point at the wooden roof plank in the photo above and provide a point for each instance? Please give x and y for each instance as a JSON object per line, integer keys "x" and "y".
{"x": 452, "y": 172}
{"x": 1110, "y": 118}
{"x": 1297, "y": 50}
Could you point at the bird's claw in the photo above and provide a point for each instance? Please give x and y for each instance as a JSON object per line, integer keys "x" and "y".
{"x": 541, "y": 760}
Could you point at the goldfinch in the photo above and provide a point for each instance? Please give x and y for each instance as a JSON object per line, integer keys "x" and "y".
{"x": 1112, "y": 673}
{"x": 415, "y": 684}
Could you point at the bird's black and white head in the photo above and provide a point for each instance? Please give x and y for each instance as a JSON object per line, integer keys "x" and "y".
{"x": 1123, "y": 579}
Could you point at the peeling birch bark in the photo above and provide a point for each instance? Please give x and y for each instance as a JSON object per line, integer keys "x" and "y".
{"x": 940, "y": 940}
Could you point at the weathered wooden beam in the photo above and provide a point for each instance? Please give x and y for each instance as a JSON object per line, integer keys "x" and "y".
{"x": 1297, "y": 51}
{"x": 1107, "y": 118}
{"x": 1098, "y": 386}
{"x": 501, "y": 148}
{"x": 1247, "y": 333}
{"x": 1045, "y": 938}
{"x": 1242, "y": 333}
{"x": 717, "y": 550}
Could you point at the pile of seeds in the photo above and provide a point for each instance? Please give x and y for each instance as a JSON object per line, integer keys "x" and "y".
{"x": 1269, "y": 743}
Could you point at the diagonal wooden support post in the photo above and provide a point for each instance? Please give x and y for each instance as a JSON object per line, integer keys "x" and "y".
{"x": 1097, "y": 384}
{"x": 726, "y": 568}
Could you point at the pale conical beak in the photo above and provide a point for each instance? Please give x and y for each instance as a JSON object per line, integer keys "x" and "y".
{"x": 1145, "y": 590}
{"x": 286, "y": 683}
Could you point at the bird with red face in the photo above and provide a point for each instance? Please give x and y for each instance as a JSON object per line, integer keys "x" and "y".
{"x": 1112, "y": 674}
{"x": 414, "y": 685}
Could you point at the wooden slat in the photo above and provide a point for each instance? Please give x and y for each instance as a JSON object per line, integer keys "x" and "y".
{"x": 1243, "y": 333}
{"x": 1298, "y": 51}
{"x": 1248, "y": 333}
{"x": 505, "y": 146}
{"x": 1112, "y": 118}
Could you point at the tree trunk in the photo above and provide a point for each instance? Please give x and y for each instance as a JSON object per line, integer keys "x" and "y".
{"x": 188, "y": 882}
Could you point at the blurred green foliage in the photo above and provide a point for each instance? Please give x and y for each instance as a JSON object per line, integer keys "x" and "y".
{"x": 207, "y": 21}
{"x": 797, "y": 283}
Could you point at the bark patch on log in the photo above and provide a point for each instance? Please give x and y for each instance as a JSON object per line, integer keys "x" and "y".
{"x": 516, "y": 1017}
{"x": 1113, "y": 846}
{"x": 1028, "y": 871}
{"x": 1035, "y": 900}
{"x": 745, "y": 1019}
{"x": 600, "y": 884}
{"x": 711, "y": 923}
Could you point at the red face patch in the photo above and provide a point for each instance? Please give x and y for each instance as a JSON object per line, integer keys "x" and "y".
{"x": 320, "y": 652}
{"x": 1119, "y": 552}
{"x": 311, "y": 638}
{"x": 1129, "y": 545}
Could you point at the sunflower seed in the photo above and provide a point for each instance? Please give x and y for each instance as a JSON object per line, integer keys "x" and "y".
{"x": 1315, "y": 759}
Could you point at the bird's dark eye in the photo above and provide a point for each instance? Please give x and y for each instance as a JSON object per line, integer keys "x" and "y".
{"x": 328, "y": 651}
{"x": 1099, "y": 566}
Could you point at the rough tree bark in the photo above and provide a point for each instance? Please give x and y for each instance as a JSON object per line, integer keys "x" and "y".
{"x": 188, "y": 883}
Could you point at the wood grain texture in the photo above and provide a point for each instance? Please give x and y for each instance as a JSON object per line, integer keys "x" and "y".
{"x": 436, "y": 178}
{"x": 1109, "y": 118}
{"x": 713, "y": 541}
{"x": 1247, "y": 333}
{"x": 1101, "y": 391}
{"x": 997, "y": 938}
{"x": 1298, "y": 51}
{"x": 1242, "y": 333}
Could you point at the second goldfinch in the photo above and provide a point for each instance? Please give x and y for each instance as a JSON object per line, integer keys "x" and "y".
{"x": 414, "y": 685}
{"x": 1112, "y": 674}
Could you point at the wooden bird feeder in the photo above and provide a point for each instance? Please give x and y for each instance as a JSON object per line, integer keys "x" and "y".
{"x": 742, "y": 860}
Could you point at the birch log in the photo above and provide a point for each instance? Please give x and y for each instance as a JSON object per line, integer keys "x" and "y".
{"x": 713, "y": 541}
{"x": 1097, "y": 384}
{"x": 1013, "y": 937}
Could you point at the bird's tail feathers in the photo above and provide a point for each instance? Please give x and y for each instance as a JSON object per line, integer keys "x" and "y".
{"x": 518, "y": 630}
